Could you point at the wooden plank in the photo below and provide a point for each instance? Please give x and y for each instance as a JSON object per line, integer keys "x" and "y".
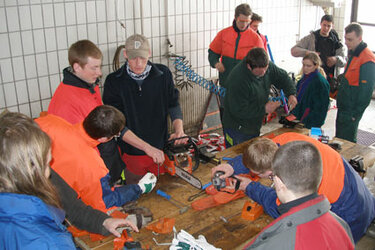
{"x": 229, "y": 235}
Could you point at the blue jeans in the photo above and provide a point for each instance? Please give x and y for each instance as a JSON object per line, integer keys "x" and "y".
{"x": 233, "y": 137}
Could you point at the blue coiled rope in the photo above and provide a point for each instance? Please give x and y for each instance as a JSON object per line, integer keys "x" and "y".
{"x": 194, "y": 77}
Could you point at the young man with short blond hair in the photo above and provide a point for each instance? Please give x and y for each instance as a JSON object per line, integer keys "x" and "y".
{"x": 345, "y": 190}
{"x": 145, "y": 93}
{"x": 306, "y": 221}
{"x": 78, "y": 93}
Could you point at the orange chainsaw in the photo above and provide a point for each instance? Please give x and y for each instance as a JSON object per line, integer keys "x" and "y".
{"x": 179, "y": 160}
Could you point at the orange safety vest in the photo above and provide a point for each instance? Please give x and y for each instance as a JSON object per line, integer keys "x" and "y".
{"x": 75, "y": 159}
{"x": 224, "y": 43}
{"x": 352, "y": 69}
{"x": 333, "y": 167}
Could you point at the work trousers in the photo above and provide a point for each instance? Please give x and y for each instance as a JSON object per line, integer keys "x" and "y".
{"x": 347, "y": 125}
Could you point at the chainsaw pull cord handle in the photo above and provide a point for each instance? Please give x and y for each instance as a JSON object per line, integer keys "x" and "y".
{"x": 236, "y": 187}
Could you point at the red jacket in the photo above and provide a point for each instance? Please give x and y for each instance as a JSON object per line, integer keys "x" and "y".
{"x": 264, "y": 40}
{"x": 75, "y": 159}
{"x": 74, "y": 103}
{"x": 309, "y": 225}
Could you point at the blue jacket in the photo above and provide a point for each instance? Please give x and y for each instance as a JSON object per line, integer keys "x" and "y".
{"x": 356, "y": 205}
{"x": 26, "y": 222}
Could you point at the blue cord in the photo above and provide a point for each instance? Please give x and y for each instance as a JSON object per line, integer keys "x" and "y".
{"x": 269, "y": 49}
{"x": 194, "y": 77}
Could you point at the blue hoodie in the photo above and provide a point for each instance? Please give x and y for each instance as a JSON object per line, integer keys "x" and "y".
{"x": 26, "y": 222}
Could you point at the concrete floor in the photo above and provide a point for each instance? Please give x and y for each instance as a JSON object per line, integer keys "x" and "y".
{"x": 367, "y": 123}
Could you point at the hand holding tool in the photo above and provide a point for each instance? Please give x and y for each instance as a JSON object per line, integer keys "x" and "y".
{"x": 175, "y": 202}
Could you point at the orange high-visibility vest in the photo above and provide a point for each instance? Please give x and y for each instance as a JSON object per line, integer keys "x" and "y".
{"x": 333, "y": 166}
{"x": 75, "y": 159}
{"x": 352, "y": 69}
{"x": 224, "y": 43}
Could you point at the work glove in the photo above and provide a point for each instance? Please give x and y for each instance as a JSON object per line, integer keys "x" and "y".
{"x": 147, "y": 183}
{"x": 184, "y": 240}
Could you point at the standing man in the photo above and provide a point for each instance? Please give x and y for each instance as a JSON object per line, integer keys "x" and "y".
{"x": 254, "y": 25}
{"x": 231, "y": 45}
{"x": 357, "y": 85}
{"x": 326, "y": 43}
{"x": 145, "y": 93}
{"x": 246, "y": 101}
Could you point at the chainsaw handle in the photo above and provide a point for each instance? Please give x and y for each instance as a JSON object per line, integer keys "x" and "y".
{"x": 190, "y": 143}
{"x": 163, "y": 194}
{"x": 171, "y": 141}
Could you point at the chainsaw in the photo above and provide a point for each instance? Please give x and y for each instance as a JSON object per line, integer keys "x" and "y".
{"x": 178, "y": 160}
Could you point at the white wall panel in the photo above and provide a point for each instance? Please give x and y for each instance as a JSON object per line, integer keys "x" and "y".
{"x": 35, "y": 36}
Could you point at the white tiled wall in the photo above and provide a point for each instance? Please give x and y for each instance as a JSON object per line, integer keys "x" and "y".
{"x": 35, "y": 36}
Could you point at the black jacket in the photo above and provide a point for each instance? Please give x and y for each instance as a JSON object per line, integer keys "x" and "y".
{"x": 146, "y": 107}
{"x": 78, "y": 213}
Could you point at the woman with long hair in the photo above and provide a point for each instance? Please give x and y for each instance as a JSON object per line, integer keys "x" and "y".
{"x": 30, "y": 213}
{"x": 312, "y": 93}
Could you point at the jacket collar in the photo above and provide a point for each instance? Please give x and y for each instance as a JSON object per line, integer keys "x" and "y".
{"x": 154, "y": 72}
{"x": 236, "y": 28}
{"x": 81, "y": 131}
{"x": 71, "y": 79}
{"x": 358, "y": 50}
{"x": 285, "y": 207}
{"x": 333, "y": 36}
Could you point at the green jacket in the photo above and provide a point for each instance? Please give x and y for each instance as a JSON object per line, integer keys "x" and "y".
{"x": 313, "y": 106}
{"x": 229, "y": 64}
{"x": 353, "y": 98}
{"x": 247, "y": 95}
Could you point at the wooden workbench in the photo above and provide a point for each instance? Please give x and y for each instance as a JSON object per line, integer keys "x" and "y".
{"x": 231, "y": 235}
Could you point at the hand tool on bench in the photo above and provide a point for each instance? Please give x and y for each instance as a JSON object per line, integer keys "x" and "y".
{"x": 126, "y": 242}
{"x": 183, "y": 207}
{"x": 203, "y": 191}
{"x": 226, "y": 219}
